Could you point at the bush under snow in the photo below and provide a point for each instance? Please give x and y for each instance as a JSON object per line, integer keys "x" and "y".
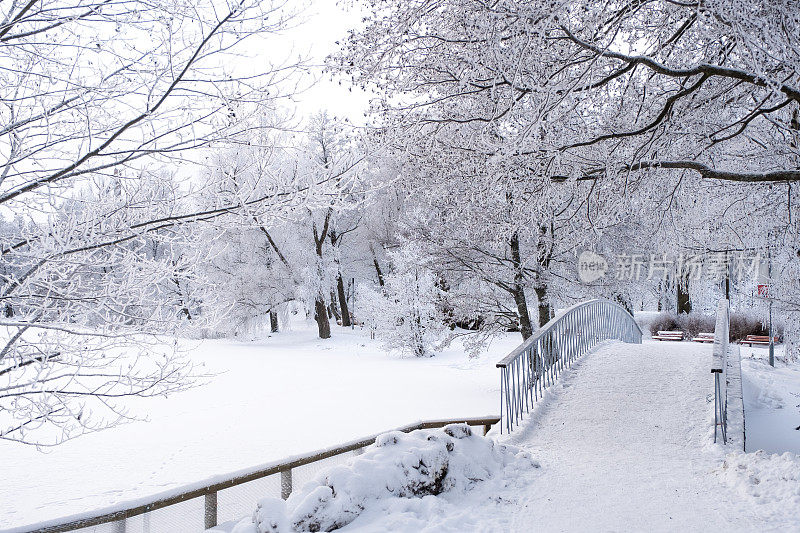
{"x": 398, "y": 465}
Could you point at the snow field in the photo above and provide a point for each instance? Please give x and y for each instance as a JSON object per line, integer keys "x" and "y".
{"x": 624, "y": 442}
{"x": 771, "y": 481}
{"x": 265, "y": 400}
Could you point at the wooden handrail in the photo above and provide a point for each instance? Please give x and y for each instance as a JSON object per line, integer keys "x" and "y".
{"x": 210, "y": 487}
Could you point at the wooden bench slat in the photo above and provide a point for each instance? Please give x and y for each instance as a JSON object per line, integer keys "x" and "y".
{"x": 760, "y": 340}
{"x": 669, "y": 336}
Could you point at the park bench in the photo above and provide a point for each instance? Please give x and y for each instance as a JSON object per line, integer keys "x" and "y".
{"x": 704, "y": 337}
{"x": 669, "y": 336}
{"x": 758, "y": 340}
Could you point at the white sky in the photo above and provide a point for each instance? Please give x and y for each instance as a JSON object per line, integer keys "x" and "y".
{"x": 322, "y": 23}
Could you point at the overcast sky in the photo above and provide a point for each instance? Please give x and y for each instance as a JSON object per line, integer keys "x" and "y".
{"x": 321, "y": 25}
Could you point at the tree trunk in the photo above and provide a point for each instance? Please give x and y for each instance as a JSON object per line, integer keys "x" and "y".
{"x": 378, "y": 270}
{"x": 519, "y": 289}
{"x": 181, "y": 301}
{"x": 660, "y": 292}
{"x": 343, "y": 302}
{"x": 320, "y": 309}
{"x": 273, "y": 321}
{"x": 728, "y": 272}
{"x": 543, "y": 305}
{"x": 684, "y": 300}
{"x": 617, "y": 297}
{"x": 525, "y": 327}
{"x": 321, "y": 316}
{"x": 544, "y": 254}
{"x": 334, "y": 308}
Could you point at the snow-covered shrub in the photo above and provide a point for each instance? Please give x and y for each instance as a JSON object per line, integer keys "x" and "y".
{"x": 665, "y": 321}
{"x": 742, "y": 324}
{"x": 398, "y": 465}
{"x": 694, "y": 323}
{"x": 406, "y": 313}
{"x": 745, "y": 323}
{"x": 691, "y": 323}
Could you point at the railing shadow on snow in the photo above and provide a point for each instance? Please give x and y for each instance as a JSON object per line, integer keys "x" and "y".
{"x": 537, "y": 362}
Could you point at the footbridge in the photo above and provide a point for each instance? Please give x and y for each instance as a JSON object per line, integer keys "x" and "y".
{"x": 625, "y": 434}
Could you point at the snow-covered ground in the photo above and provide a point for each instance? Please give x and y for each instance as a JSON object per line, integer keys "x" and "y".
{"x": 285, "y": 395}
{"x": 771, "y": 401}
{"x": 622, "y": 443}
{"x": 623, "y": 440}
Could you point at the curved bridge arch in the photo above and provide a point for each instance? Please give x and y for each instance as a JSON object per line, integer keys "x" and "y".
{"x": 537, "y": 362}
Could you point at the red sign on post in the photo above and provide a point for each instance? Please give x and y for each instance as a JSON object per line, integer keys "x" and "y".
{"x": 763, "y": 291}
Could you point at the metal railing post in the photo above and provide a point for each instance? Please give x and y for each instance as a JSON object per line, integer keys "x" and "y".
{"x": 719, "y": 367}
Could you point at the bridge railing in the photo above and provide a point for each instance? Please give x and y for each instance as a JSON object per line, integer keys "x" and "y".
{"x": 197, "y": 506}
{"x": 719, "y": 367}
{"x": 536, "y": 364}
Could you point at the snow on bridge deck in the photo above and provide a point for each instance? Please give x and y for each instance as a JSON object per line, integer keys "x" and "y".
{"x": 624, "y": 444}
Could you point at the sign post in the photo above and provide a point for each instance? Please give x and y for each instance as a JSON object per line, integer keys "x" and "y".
{"x": 764, "y": 290}
{"x": 769, "y": 296}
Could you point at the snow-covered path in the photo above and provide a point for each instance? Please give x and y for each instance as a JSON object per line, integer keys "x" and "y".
{"x": 623, "y": 444}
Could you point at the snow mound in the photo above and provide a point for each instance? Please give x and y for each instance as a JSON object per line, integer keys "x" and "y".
{"x": 770, "y": 479}
{"x": 399, "y": 465}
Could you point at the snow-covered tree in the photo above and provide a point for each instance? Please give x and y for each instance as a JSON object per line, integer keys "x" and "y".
{"x": 299, "y": 199}
{"x": 99, "y": 100}
{"x": 596, "y": 90}
{"x": 678, "y": 121}
{"x": 406, "y": 313}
